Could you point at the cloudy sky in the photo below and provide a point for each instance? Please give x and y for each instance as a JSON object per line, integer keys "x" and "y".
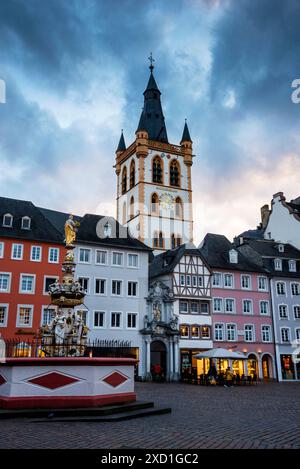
{"x": 75, "y": 71}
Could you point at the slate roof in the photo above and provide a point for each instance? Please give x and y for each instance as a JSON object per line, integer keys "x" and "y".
{"x": 121, "y": 146}
{"x": 257, "y": 233}
{"x": 152, "y": 117}
{"x": 215, "y": 248}
{"x": 165, "y": 262}
{"x": 41, "y": 229}
{"x": 87, "y": 231}
{"x": 186, "y": 134}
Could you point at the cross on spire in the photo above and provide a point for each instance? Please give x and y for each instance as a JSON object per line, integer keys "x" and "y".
{"x": 151, "y": 59}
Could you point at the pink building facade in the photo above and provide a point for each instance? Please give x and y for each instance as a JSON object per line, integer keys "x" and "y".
{"x": 241, "y": 308}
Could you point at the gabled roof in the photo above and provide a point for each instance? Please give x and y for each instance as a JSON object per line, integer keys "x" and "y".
{"x": 215, "y": 248}
{"x": 166, "y": 262}
{"x": 266, "y": 251}
{"x": 41, "y": 229}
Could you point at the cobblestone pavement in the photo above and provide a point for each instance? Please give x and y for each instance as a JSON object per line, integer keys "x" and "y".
{"x": 262, "y": 416}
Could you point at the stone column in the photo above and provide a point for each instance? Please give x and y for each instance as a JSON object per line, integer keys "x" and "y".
{"x": 171, "y": 360}
{"x": 148, "y": 359}
{"x": 176, "y": 359}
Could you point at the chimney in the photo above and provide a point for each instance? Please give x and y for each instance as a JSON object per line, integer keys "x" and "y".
{"x": 264, "y": 212}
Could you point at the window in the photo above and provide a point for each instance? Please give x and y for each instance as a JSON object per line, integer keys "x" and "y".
{"x": 281, "y": 247}
{"x": 157, "y": 172}
{"x": 100, "y": 286}
{"x": 132, "y": 288}
{"x": 246, "y": 282}
{"x": 297, "y": 334}
{"x": 194, "y": 307}
{"x": 131, "y": 209}
{"x": 178, "y": 208}
{"x": 285, "y": 335}
{"x": 278, "y": 264}
{"x": 188, "y": 280}
{"x": 1, "y": 250}
{"x": 229, "y": 305}
{"x": 107, "y": 230}
{"x": 266, "y": 333}
{"x": 292, "y": 266}
{"x": 228, "y": 280}
{"x": 174, "y": 173}
{"x": 195, "y": 332}
{"x": 132, "y": 174}
{"x": 194, "y": 280}
{"x": 84, "y": 256}
{"x": 25, "y": 224}
{"x": 7, "y": 220}
{"x": 116, "y": 287}
{"x": 49, "y": 281}
{"x": 47, "y": 315}
{"x": 115, "y": 320}
{"x": 3, "y": 315}
{"x": 99, "y": 319}
{"x": 101, "y": 257}
{"x": 182, "y": 280}
{"x": 204, "y": 308}
{"x": 280, "y": 286}
{"x": 218, "y": 305}
{"x": 262, "y": 283}
{"x": 249, "y": 333}
{"x": 4, "y": 282}
{"x": 131, "y": 320}
{"x": 264, "y": 308}
{"x": 231, "y": 332}
{"x": 27, "y": 283}
{"x": 24, "y": 318}
{"x": 219, "y": 332}
{"x": 173, "y": 241}
{"x": 247, "y": 307}
{"x": 184, "y": 331}
{"x": 217, "y": 279}
{"x": 183, "y": 307}
{"x": 295, "y": 287}
{"x": 124, "y": 214}
{"x": 36, "y": 253}
{"x": 53, "y": 256}
{"x": 296, "y": 312}
{"x": 124, "y": 180}
{"x": 117, "y": 259}
{"x": 154, "y": 203}
{"x": 17, "y": 251}
{"x": 200, "y": 281}
{"x": 233, "y": 256}
{"x": 205, "y": 332}
{"x": 84, "y": 282}
{"x": 283, "y": 314}
{"x": 133, "y": 260}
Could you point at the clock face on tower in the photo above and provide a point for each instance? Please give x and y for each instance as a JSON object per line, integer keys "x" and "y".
{"x": 166, "y": 201}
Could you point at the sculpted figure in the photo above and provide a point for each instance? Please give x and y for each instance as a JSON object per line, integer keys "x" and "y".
{"x": 70, "y": 230}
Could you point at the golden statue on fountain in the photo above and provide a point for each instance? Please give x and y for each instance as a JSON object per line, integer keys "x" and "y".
{"x": 66, "y": 334}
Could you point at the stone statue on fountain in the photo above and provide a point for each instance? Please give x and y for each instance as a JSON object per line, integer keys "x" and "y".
{"x": 66, "y": 334}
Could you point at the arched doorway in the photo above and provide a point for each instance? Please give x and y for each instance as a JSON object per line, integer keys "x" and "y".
{"x": 267, "y": 366}
{"x": 252, "y": 365}
{"x": 158, "y": 356}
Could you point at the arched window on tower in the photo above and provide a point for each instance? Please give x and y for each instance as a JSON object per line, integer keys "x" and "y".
{"x": 132, "y": 207}
{"x": 178, "y": 208}
{"x": 124, "y": 180}
{"x": 176, "y": 241}
{"x": 174, "y": 173}
{"x": 132, "y": 174}
{"x": 124, "y": 214}
{"x": 158, "y": 240}
{"x": 157, "y": 170}
{"x": 154, "y": 203}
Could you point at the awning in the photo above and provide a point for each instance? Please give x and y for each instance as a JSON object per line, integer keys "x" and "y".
{"x": 221, "y": 353}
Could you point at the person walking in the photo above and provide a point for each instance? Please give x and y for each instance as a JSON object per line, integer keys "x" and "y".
{"x": 229, "y": 377}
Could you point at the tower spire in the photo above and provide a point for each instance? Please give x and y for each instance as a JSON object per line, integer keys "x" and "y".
{"x": 152, "y": 118}
{"x": 121, "y": 146}
{"x": 186, "y": 134}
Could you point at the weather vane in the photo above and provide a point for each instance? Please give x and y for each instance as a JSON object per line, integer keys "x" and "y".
{"x": 151, "y": 59}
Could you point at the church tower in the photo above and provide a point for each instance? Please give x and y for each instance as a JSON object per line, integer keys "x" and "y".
{"x": 154, "y": 181}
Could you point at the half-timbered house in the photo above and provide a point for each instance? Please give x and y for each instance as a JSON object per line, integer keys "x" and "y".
{"x": 184, "y": 274}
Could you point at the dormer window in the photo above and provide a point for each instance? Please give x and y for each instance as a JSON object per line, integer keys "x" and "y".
{"x": 278, "y": 264}
{"x": 233, "y": 256}
{"x": 26, "y": 222}
{"x": 292, "y": 265}
{"x": 107, "y": 230}
{"x": 7, "y": 220}
{"x": 281, "y": 247}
